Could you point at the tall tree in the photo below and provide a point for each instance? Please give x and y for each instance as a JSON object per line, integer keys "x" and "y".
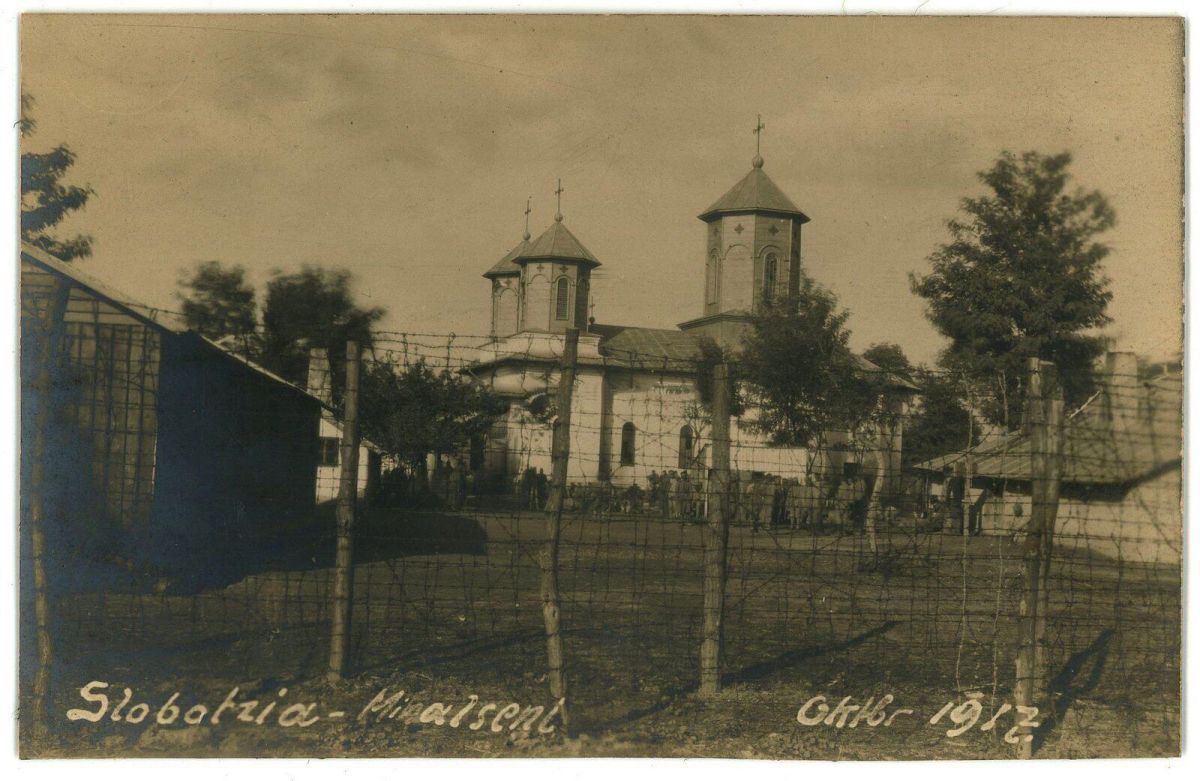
{"x": 45, "y": 200}
{"x": 415, "y": 410}
{"x": 218, "y": 302}
{"x": 799, "y": 374}
{"x": 1021, "y": 277}
{"x": 313, "y": 307}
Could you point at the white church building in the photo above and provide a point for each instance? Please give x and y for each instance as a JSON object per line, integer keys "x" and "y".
{"x": 635, "y": 407}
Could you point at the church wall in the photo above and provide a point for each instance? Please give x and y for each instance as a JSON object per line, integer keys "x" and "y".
{"x": 587, "y": 417}
{"x": 735, "y": 260}
{"x": 540, "y": 285}
{"x": 737, "y": 279}
{"x": 505, "y": 292}
{"x": 749, "y": 452}
{"x": 535, "y": 309}
{"x": 658, "y": 407}
{"x": 714, "y": 253}
{"x": 528, "y": 442}
{"x": 777, "y": 242}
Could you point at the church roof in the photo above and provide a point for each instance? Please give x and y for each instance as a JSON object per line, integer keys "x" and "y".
{"x": 630, "y": 344}
{"x": 557, "y": 243}
{"x": 755, "y": 193}
{"x": 505, "y": 265}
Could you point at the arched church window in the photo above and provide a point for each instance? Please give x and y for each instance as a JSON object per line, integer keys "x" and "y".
{"x": 628, "y": 444}
{"x": 712, "y": 279}
{"x": 562, "y": 299}
{"x": 770, "y": 276}
{"x": 687, "y": 445}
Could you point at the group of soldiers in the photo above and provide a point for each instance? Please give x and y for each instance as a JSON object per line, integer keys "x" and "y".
{"x": 678, "y": 496}
{"x": 758, "y": 501}
{"x": 533, "y": 489}
{"x": 764, "y": 501}
{"x": 675, "y": 495}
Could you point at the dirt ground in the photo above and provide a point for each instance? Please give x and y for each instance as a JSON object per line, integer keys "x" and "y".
{"x": 447, "y": 607}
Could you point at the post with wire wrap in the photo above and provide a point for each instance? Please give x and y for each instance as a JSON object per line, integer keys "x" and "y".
{"x": 716, "y": 537}
{"x": 560, "y": 455}
{"x": 343, "y": 571}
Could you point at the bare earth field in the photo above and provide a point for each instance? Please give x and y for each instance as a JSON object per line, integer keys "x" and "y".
{"x": 447, "y": 607}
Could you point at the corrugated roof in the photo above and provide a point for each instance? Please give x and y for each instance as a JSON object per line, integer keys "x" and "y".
{"x": 755, "y": 192}
{"x": 557, "y": 243}
{"x": 505, "y": 265}
{"x": 1094, "y": 451}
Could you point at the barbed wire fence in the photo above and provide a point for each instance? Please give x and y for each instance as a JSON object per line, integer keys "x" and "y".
{"x": 648, "y": 555}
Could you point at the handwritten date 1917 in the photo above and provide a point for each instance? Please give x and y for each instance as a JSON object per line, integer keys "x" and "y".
{"x": 875, "y": 713}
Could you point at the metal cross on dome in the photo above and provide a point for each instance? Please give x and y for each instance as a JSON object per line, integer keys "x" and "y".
{"x": 558, "y": 193}
{"x": 758, "y": 129}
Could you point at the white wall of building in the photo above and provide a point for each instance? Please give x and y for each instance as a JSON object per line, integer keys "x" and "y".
{"x": 328, "y": 477}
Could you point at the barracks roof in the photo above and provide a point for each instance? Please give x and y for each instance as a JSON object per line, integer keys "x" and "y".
{"x": 1094, "y": 452}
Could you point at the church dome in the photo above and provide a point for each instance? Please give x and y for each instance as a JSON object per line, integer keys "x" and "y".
{"x": 754, "y": 193}
{"x": 506, "y": 265}
{"x": 557, "y": 243}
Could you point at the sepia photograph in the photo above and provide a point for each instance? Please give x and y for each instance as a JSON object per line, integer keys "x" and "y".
{"x": 505, "y": 385}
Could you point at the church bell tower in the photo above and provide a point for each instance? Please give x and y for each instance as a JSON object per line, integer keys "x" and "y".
{"x": 752, "y": 253}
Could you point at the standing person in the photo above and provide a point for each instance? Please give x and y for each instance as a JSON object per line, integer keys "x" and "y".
{"x": 451, "y": 489}
{"x": 737, "y": 509}
{"x": 525, "y": 488}
{"x": 542, "y": 484}
{"x": 652, "y": 482}
{"x": 750, "y": 502}
{"x": 461, "y": 488}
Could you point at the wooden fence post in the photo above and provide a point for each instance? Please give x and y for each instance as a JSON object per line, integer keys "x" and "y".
{"x": 716, "y": 537}
{"x": 1045, "y": 417}
{"x": 560, "y": 456}
{"x": 343, "y": 568}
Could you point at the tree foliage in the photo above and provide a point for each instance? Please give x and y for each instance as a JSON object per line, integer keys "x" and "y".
{"x": 45, "y": 199}
{"x": 411, "y": 411}
{"x": 711, "y": 355}
{"x": 941, "y": 422}
{"x": 218, "y": 302}
{"x": 313, "y": 307}
{"x": 1021, "y": 277}
{"x": 799, "y": 373}
{"x": 889, "y": 357}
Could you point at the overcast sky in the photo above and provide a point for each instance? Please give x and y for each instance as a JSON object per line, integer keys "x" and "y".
{"x": 403, "y": 148}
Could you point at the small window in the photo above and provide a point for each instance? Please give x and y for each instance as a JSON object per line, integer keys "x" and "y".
{"x": 562, "y": 299}
{"x": 628, "y": 444}
{"x": 713, "y": 278}
{"x": 687, "y": 444}
{"x": 329, "y": 451}
{"x": 770, "y": 276}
